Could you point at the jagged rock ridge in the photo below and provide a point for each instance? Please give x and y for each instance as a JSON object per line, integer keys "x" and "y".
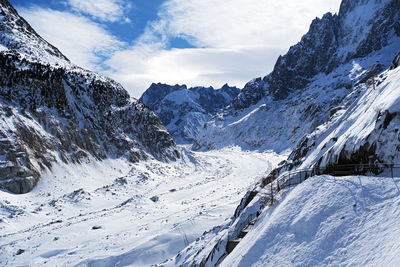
{"x": 185, "y": 110}
{"x": 52, "y": 110}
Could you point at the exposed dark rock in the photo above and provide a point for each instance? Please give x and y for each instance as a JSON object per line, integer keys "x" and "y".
{"x": 381, "y": 30}
{"x": 20, "y": 251}
{"x": 314, "y": 54}
{"x": 245, "y": 201}
{"x": 154, "y": 199}
{"x": 395, "y": 62}
{"x": 251, "y": 94}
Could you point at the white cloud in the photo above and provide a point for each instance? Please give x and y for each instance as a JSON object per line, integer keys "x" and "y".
{"x": 105, "y": 10}
{"x": 242, "y": 23}
{"x": 84, "y": 42}
{"x": 137, "y": 68}
{"x": 238, "y": 39}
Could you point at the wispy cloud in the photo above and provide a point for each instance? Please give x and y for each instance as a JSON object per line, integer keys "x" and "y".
{"x": 104, "y": 10}
{"x": 239, "y": 23}
{"x": 84, "y": 42}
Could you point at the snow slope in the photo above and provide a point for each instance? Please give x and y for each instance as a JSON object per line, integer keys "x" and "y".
{"x": 327, "y": 221}
{"x": 145, "y": 212}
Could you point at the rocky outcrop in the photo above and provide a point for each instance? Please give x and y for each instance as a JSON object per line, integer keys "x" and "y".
{"x": 251, "y": 94}
{"x": 314, "y": 54}
{"x": 59, "y": 112}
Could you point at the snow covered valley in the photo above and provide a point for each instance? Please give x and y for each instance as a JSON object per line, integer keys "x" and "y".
{"x": 115, "y": 213}
{"x": 90, "y": 176}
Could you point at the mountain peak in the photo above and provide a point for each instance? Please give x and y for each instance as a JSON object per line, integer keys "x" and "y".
{"x": 17, "y": 35}
{"x": 334, "y": 44}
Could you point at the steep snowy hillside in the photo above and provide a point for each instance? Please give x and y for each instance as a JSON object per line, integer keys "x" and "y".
{"x": 184, "y": 111}
{"x": 53, "y": 111}
{"x": 337, "y": 53}
{"x": 327, "y": 221}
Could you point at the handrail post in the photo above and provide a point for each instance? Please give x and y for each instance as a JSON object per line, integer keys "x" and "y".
{"x": 391, "y": 169}
{"x": 272, "y": 194}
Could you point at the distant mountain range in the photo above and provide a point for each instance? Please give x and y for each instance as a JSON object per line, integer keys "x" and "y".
{"x": 185, "y": 110}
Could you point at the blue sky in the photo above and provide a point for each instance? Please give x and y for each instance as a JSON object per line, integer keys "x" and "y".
{"x": 140, "y": 13}
{"x": 207, "y": 42}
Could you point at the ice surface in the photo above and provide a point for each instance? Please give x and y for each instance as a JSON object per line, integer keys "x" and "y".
{"x": 55, "y": 222}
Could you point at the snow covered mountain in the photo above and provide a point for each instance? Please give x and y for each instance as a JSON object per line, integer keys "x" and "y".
{"x": 52, "y": 110}
{"x": 333, "y": 99}
{"x": 310, "y": 81}
{"x": 185, "y": 110}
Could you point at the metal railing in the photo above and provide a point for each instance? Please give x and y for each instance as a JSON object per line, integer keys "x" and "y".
{"x": 293, "y": 178}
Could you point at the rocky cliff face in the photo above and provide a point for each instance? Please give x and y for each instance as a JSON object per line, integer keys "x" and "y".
{"x": 184, "y": 111}
{"x": 52, "y": 110}
{"x": 310, "y": 80}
